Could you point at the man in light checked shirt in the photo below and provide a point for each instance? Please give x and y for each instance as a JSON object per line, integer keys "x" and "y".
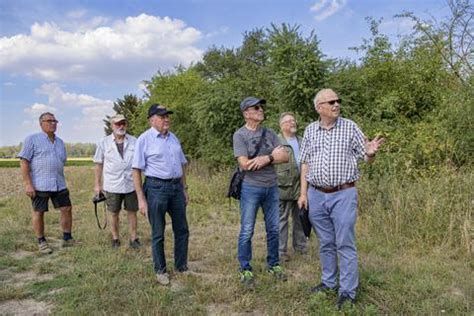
{"x": 42, "y": 160}
{"x": 330, "y": 150}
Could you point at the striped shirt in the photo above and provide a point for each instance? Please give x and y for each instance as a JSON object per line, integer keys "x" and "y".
{"x": 46, "y": 160}
{"x": 332, "y": 155}
{"x": 159, "y": 156}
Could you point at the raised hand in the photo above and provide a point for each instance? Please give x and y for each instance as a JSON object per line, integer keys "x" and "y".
{"x": 371, "y": 147}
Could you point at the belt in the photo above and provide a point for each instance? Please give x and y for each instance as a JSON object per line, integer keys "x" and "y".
{"x": 336, "y": 188}
{"x": 172, "y": 180}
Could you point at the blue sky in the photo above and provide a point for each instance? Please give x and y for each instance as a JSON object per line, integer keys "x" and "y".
{"x": 76, "y": 57}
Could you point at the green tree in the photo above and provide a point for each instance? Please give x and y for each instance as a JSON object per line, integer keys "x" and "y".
{"x": 127, "y": 107}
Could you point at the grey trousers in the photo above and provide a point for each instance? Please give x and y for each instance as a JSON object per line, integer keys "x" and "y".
{"x": 288, "y": 207}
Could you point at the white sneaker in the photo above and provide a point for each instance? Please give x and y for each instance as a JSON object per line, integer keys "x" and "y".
{"x": 163, "y": 278}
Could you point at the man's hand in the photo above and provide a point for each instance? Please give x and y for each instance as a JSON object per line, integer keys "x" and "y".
{"x": 186, "y": 197}
{"x": 143, "y": 207}
{"x": 97, "y": 189}
{"x": 371, "y": 147}
{"x": 30, "y": 191}
{"x": 258, "y": 163}
{"x": 303, "y": 201}
{"x": 279, "y": 153}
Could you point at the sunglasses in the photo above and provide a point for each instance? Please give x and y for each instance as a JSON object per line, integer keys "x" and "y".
{"x": 121, "y": 123}
{"x": 332, "y": 102}
{"x": 51, "y": 121}
{"x": 257, "y": 107}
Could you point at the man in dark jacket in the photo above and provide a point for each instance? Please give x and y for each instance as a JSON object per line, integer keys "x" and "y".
{"x": 289, "y": 187}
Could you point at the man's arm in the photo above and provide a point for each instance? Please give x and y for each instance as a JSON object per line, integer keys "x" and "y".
{"x": 98, "y": 177}
{"x": 185, "y": 186}
{"x": 279, "y": 155}
{"x": 303, "y": 199}
{"x": 137, "y": 182}
{"x": 25, "y": 173}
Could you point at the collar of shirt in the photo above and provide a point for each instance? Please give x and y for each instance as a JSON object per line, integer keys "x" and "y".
{"x": 47, "y": 137}
{"x": 337, "y": 124}
{"x": 157, "y": 133}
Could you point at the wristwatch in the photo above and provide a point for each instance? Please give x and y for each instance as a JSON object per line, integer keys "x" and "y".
{"x": 271, "y": 158}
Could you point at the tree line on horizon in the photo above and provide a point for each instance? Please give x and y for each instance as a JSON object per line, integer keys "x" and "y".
{"x": 418, "y": 93}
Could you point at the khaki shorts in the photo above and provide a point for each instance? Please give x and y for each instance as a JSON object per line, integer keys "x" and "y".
{"x": 115, "y": 201}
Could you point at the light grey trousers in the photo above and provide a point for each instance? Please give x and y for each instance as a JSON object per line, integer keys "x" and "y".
{"x": 288, "y": 207}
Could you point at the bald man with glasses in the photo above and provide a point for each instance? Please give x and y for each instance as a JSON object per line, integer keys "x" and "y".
{"x": 330, "y": 150}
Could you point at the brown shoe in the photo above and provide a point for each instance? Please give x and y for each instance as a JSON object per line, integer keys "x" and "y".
{"x": 44, "y": 248}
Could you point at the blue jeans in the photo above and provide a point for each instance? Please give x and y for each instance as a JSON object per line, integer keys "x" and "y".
{"x": 333, "y": 215}
{"x": 251, "y": 199}
{"x": 162, "y": 197}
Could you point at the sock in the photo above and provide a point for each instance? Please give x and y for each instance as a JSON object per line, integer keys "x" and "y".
{"x": 67, "y": 236}
{"x": 41, "y": 239}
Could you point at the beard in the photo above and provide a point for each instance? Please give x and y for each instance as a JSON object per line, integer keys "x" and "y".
{"x": 120, "y": 132}
{"x": 293, "y": 130}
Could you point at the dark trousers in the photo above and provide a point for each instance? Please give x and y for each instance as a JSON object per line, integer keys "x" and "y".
{"x": 162, "y": 197}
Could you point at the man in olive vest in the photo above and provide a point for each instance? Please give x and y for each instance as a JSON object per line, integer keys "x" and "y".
{"x": 289, "y": 187}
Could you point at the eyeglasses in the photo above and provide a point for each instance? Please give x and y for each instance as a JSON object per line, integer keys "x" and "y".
{"x": 332, "y": 102}
{"x": 51, "y": 121}
{"x": 289, "y": 121}
{"x": 121, "y": 123}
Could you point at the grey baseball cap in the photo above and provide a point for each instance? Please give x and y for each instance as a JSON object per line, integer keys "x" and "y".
{"x": 251, "y": 101}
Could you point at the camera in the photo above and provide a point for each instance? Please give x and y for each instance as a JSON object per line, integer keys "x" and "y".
{"x": 99, "y": 198}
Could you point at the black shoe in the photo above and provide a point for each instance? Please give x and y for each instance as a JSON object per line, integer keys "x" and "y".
{"x": 342, "y": 299}
{"x": 321, "y": 288}
{"x": 135, "y": 244}
{"x": 182, "y": 269}
{"x": 115, "y": 243}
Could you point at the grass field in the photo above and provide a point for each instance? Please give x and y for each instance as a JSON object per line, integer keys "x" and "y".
{"x": 78, "y": 161}
{"x": 414, "y": 241}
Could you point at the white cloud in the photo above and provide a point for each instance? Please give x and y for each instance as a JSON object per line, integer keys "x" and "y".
{"x": 325, "y": 8}
{"x": 220, "y": 31}
{"x": 125, "y": 50}
{"x": 38, "y": 108}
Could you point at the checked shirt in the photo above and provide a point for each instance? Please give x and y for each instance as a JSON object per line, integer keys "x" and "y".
{"x": 332, "y": 155}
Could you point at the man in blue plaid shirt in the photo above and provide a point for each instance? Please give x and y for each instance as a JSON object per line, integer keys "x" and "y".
{"x": 42, "y": 160}
{"x": 330, "y": 150}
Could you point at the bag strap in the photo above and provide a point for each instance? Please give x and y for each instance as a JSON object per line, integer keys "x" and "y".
{"x": 97, "y": 216}
{"x": 260, "y": 143}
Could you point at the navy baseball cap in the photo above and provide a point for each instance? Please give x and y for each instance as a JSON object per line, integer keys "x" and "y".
{"x": 251, "y": 101}
{"x": 157, "y": 109}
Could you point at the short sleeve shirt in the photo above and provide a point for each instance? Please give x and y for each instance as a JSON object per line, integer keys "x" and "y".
{"x": 47, "y": 160}
{"x": 244, "y": 143}
{"x": 117, "y": 169}
{"x": 159, "y": 155}
{"x": 332, "y": 154}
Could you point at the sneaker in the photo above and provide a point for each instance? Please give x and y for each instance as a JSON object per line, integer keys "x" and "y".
{"x": 115, "y": 243}
{"x": 163, "y": 278}
{"x": 135, "y": 244}
{"x": 321, "y": 288}
{"x": 44, "y": 248}
{"x": 247, "y": 279}
{"x": 68, "y": 243}
{"x": 343, "y": 299}
{"x": 277, "y": 273}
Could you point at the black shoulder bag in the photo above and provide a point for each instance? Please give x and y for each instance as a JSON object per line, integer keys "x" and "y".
{"x": 235, "y": 186}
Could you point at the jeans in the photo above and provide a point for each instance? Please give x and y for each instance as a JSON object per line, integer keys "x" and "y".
{"x": 290, "y": 208}
{"x": 333, "y": 215}
{"x": 251, "y": 199}
{"x": 162, "y": 197}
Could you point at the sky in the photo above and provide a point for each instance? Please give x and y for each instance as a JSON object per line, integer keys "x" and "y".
{"x": 76, "y": 57}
